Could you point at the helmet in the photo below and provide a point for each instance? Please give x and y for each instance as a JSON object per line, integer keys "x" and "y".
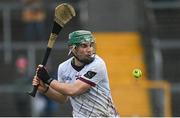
{"x": 80, "y": 36}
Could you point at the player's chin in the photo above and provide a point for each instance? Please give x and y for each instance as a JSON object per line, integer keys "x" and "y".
{"x": 89, "y": 59}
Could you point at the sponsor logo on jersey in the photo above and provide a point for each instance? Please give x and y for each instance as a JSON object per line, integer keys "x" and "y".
{"x": 90, "y": 74}
{"x": 66, "y": 78}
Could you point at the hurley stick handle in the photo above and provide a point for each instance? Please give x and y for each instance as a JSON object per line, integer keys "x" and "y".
{"x": 63, "y": 14}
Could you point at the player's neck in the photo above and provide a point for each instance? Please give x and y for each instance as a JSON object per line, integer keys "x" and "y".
{"x": 76, "y": 66}
{"x": 77, "y": 62}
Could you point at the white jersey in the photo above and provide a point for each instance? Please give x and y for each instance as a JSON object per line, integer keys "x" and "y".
{"x": 97, "y": 101}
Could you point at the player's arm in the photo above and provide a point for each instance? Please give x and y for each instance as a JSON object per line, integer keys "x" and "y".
{"x": 59, "y": 91}
{"x": 55, "y": 95}
{"x": 76, "y": 88}
{"x": 48, "y": 91}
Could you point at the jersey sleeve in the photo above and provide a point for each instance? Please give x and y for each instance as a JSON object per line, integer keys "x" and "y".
{"x": 93, "y": 74}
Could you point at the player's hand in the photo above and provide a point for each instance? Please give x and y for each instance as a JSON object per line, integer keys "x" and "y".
{"x": 37, "y": 82}
{"x": 43, "y": 74}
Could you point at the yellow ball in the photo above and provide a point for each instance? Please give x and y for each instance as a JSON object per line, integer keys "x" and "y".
{"x": 137, "y": 73}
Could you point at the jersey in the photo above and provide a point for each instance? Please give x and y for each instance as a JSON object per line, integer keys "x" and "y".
{"x": 95, "y": 102}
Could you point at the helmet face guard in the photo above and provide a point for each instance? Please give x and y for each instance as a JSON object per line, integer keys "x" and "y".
{"x": 77, "y": 38}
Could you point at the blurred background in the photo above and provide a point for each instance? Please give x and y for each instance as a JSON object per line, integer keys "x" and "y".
{"x": 130, "y": 34}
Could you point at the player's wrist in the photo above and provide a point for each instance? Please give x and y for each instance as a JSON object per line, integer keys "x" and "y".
{"x": 46, "y": 90}
{"x": 49, "y": 81}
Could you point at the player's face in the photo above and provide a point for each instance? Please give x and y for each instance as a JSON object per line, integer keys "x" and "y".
{"x": 85, "y": 51}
